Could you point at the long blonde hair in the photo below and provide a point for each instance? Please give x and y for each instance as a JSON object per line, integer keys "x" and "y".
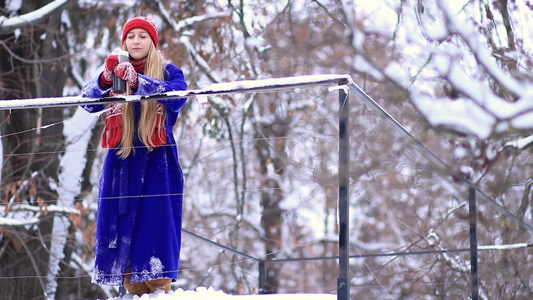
{"x": 148, "y": 122}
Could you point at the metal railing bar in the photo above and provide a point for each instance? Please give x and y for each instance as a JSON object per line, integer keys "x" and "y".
{"x": 220, "y": 245}
{"x": 245, "y": 86}
{"x": 422, "y": 252}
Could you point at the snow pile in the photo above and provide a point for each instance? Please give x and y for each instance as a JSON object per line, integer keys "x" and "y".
{"x": 203, "y": 293}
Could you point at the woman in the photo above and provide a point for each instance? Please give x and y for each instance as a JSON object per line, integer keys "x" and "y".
{"x": 138, "y": 236}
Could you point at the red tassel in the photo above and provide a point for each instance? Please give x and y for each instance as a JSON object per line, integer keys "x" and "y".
{"x": 160, "y": 135}
{"x": 112, "y": 134}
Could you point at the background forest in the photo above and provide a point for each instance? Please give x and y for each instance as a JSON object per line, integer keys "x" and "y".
{"x": 261, "y": 168}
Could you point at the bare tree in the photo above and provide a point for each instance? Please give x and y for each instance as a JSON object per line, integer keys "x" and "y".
{"x": 34, "y": 64}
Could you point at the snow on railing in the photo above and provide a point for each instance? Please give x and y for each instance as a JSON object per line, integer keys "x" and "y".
{"x": 245, "y": 86}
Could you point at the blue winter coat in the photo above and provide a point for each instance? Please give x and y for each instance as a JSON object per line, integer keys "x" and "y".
{"x": 140, "y": 200}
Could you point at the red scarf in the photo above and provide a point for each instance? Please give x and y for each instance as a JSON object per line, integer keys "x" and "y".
{"x": 112, "y": 134}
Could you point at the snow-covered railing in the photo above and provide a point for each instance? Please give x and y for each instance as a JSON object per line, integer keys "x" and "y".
{"x": 245, "y": 86}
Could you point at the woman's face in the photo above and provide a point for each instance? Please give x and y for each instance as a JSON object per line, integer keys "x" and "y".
{"x": 138, "y": 43}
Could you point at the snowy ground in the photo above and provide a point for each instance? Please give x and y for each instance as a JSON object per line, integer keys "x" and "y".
{"x": 202, "y": 293}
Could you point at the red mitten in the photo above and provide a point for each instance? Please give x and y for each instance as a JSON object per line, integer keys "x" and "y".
{"x": 107, "y": 76}
{"x": 127, "y": 72}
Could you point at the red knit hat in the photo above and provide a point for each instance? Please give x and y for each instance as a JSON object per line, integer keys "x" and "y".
{"x": 145, "y": 23}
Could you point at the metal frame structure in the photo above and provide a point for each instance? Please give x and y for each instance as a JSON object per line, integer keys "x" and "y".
{"x": 344, "y": 84}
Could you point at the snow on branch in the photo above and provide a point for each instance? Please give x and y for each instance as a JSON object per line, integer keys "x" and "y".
{"x": 199, "y": 59}
{"x": 49, "y": 208}
{"x": 479, "y": 110}
{"x": 460, "y": 115}
{"x": 504, "y": 247}
{"x": 16, "y": 222}
{"x": 448, "y": 54}
{"x": 520, "y": 143}
{"x": 10, "y": 24}
{"x": 484, "y": 58}
{"x": 179, "y": 26}
{"x": 5, "y": 221}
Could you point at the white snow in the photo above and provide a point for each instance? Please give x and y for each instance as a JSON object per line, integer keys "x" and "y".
{"x": 467, "y": 117}
{"x": 503, "y": 247}
{"x": 156, "y": 266}
{"x": 18, "y": 21}
{"x": 362, "y": 65}
{"x": 521, "y": 143}
{"x": 13, "y": 5}
{"x": 179, "y": 26}
{"x": 480, "y": 51}
{"x": 434, "y": 31}
{"x": 202, "y": 293}
{"x": 17, "y": 222}
{"x": 57, "y": 254}
{"x": 399, "y": 73}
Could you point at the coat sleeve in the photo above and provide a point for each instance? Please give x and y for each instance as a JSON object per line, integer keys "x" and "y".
{"x": 174, "y": 81}
{"x": 93, "y": 90}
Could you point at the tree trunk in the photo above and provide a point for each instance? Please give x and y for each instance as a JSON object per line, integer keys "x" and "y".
{"x": 271, "y": 152}
{"x": 31, "y": 153}
{"x": 73, "y": 285}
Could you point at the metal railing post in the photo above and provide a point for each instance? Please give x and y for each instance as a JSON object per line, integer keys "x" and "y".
{"x": 472, "y": 212}
{"x": 261, "y": 277}
{"x": 343, "y": 282}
